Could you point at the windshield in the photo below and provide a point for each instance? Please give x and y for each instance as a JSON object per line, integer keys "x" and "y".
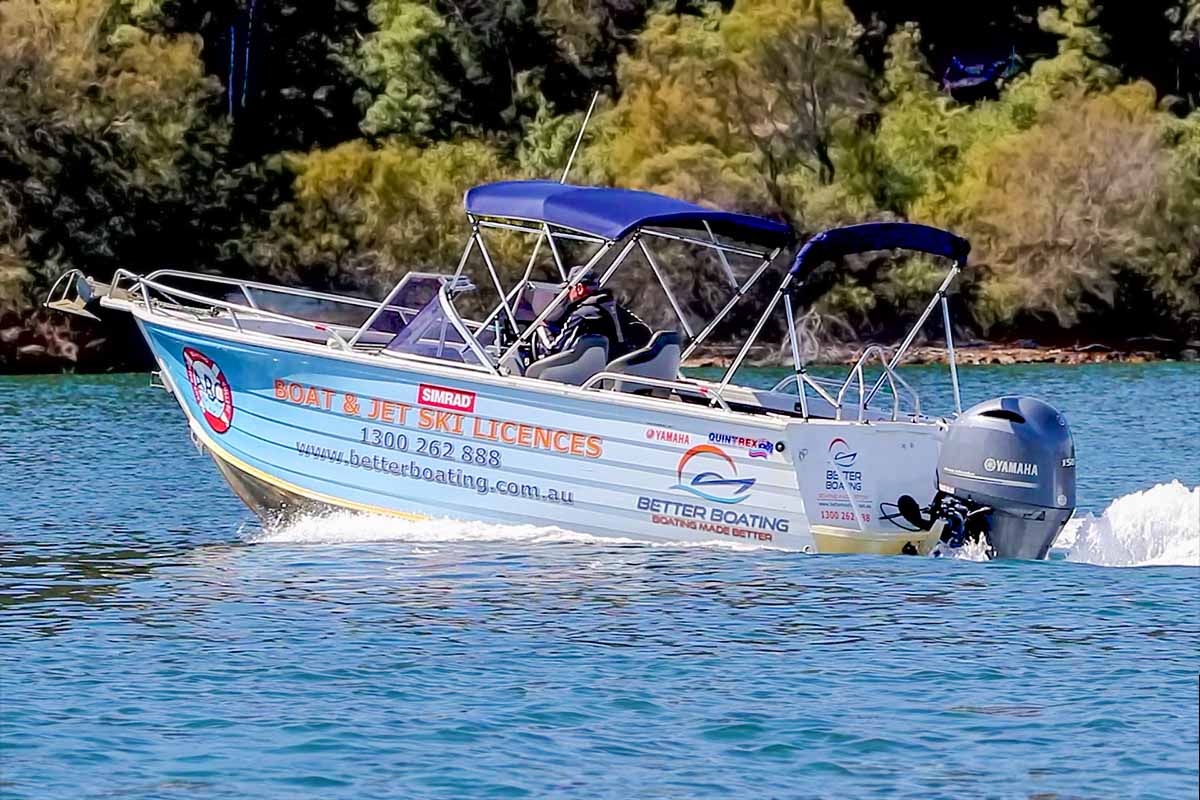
{"x": 435, "y": 333}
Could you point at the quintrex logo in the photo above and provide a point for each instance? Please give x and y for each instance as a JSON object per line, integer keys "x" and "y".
{"x": 713, "y": 486}
{"x": 210, "y": 388}
{"x": 757, "y": 448}
{"x": 842, "y": 455}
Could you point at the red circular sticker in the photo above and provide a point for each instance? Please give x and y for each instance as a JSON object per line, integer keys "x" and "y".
{"x": 210, "y": 388}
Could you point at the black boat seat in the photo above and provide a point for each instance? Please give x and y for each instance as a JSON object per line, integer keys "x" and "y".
{"x": 659, "y": 360}
{"x": 585, "y": 358}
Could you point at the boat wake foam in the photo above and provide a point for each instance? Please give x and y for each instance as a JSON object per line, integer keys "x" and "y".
{"x": 1157, "y": 527}
{"x": 346, "y": 527}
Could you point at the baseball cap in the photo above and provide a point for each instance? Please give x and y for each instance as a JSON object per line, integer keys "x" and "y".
{"x": 577, "y": 272}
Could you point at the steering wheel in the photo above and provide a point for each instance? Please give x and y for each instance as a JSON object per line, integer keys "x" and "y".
{"x": 539, "y": 343}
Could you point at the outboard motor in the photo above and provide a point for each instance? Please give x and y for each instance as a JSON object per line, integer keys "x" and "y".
{"x": 1007, "y": 473}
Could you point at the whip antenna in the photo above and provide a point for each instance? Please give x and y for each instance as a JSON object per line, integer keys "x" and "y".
{"x": 579, "y": 139}
{"x": 537, "y": 246}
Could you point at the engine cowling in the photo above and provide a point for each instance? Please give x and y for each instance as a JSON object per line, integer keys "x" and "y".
{"x": 1007, "y": 470}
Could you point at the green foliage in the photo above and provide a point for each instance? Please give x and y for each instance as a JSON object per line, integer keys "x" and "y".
{"x": 1077, "y": 181}
{"x": 1172, "y": 273}
{"x": 547, "y": 143}
{"x": 1081, "y": 47}
{"x": 362, "y": 216}
{"x": 107, "y": 142}
{"x": 401, "y": 64}
{"x": 795, "y": 76}
{"x": 848, "y": 297}
{"x": 1053, "y": 209}
{"x": 910, "y": 284}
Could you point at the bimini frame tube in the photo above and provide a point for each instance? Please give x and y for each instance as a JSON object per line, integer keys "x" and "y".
{"x": 950, "y": 354}
{"x": 912, "y": 334}
{"x": 666, "y": 287}
{"x": 797, "y": 364}
{"x": 721, "y": 255}
{"x": 491, "y": 268}
{"x": 753, "y": 337}
{"x": 558, "y": 298}
{"x": 733, "y": 301}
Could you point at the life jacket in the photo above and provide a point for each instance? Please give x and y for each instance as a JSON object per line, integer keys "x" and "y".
{"x": 604, "y": 301}
{"x": 600, "y": 314}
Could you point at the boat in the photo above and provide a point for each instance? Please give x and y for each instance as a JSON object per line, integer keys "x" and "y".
{"x": 413, "y": 406}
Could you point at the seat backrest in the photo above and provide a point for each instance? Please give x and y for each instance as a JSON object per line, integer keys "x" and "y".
{"x": 659, "y": 359}
{"x": 585, "y": 358}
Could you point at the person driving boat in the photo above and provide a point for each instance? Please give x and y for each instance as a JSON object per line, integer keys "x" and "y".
{"x": 593, "y": 310}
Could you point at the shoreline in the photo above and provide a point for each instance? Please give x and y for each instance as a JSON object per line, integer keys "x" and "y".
{"x": 968, "y": 354}
{"x": 42, "y": 344}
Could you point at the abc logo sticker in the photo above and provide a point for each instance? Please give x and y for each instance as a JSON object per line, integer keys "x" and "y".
{"x": 210, "y": 389}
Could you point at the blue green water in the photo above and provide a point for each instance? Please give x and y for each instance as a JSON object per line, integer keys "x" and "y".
{"x": 155, "y": 643}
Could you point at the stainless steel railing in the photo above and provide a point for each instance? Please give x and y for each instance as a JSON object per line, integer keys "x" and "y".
{"x": 894, "y": 381}
{"x": 705, "y": 391}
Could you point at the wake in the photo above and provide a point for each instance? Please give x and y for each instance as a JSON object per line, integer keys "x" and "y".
{"x": 1157, "y": 527}
{"x": 346, "y": 527}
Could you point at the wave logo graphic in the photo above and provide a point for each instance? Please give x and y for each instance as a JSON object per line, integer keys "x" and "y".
{"x": 842, "y": 455}
{"x": 716, "y": 487}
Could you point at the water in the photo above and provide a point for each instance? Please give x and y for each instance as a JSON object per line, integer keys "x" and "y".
{"x": 155, "y": 643}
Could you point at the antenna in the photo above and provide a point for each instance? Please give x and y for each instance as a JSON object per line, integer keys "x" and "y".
{"x": 579, "y": 139}
{"x": 537, "y": 246}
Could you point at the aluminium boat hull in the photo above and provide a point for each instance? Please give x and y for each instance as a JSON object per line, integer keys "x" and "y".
{"x": 296, "y": 427}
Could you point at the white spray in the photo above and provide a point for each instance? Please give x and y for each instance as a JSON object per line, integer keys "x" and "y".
{"x": 1157, "y": 527}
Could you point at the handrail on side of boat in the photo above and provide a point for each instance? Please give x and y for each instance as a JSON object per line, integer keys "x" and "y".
{"x": 678, "y": 386}
{"x": 814, "y": 382}
{"x": 143, "y": 284}
{"x": 246, "y": 285}
{"x": 888, "y": 374}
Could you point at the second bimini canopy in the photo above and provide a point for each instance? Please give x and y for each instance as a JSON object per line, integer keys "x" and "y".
{"x": 838, "y": 242}
{"x": 614, "y": 213}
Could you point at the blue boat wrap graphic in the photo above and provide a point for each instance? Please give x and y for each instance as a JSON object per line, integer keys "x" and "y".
{"x": 398, "y": 440}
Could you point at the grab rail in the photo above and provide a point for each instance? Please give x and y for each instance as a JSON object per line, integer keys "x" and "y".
{"x": 66, "y": 281}
{"x": 143, "y": 285}
{"x": 689, "y": 388}
{"x": 888, "y": 374}
{"x": 246, "y": 285}
{"x": 836, "y": 403}
{"x": 809, "y": 380}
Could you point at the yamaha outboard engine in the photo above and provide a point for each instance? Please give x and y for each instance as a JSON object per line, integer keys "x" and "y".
{"x": 1007, "y": 473}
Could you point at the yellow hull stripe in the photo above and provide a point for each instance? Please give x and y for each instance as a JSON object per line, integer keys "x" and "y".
{"x": 235, "y": 462}
{"x": 850, "y": 540}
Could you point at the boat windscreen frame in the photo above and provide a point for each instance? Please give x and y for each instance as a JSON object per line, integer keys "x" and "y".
{"x": 451, "y": 316}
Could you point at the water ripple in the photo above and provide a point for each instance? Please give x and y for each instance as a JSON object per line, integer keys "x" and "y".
{"x": 156, "y": 643}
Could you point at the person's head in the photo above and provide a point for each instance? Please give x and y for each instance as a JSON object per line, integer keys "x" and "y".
{"x": 584, "y": 288}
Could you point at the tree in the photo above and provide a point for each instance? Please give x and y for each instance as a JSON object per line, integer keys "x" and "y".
{"x": 1056, "y": 212}
{"x": 362, "y": 216}
{"x": 403, "y": 64}
{"x": 795, "y": 76}
{"x": 109, "y": 150}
